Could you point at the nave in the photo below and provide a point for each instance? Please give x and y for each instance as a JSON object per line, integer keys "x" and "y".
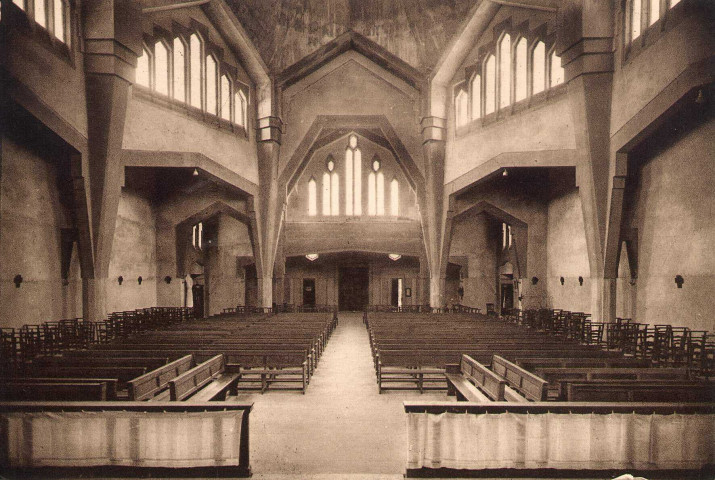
{"x": 342, "y": 425}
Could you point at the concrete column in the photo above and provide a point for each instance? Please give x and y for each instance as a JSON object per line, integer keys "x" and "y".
{"x": 433, "y": 147}
{"x": 271, "y": 200}
{"x": 112, "y": 44}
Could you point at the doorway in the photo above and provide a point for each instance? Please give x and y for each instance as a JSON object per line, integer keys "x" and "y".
{"x": 251, "y": 285}
{"x": 396, "y": 292}
{"x": 197, "y": 294}
{"x": 309, "y": 292}
{"x": 507, "y": 296}
{"x": 353, "y": 285}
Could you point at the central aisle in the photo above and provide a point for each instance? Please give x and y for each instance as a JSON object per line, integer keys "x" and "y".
{"x": 341, "y": 425}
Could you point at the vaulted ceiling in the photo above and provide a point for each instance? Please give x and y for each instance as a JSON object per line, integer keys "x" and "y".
{"x": 285, "y": 31}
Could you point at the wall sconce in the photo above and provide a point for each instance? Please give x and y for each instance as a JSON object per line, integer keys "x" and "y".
{"x": 561, "y": 279}
{"x": 534, "y": 280}
{"x": 140, "y": 279}
{"x": 679, "y": 280}
{"x": 167, "y": 279}
{"x": 17, "y": 280}
{"x": 120, "y": 279}
{"x": 580, "y": 281}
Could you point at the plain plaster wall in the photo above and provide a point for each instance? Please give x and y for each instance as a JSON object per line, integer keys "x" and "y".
{"x": 30, "y": 239}
{"x": 226, "y": 278}
{"x": 133, "y": 255}
{"x": 673, "y": 212}
{"x": 567, "y": 255}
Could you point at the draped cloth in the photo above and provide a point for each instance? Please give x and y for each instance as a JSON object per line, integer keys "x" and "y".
{"x": 562, "y": 441}
{"x": 104, "y": 438}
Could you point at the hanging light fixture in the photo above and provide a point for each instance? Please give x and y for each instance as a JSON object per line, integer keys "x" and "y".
{"x": 394, "y": 257}
{"x": 196, "y": 172}
{"x": 505, "y": 173}
{"x": 312, "y": 257}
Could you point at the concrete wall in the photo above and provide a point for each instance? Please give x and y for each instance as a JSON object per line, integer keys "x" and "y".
{"x": 226, "y": 279}
{"x": 30, "y": 242}
{"x": 672, "y": 208}
{"x": 133, "y": 255}
{"x": 351, "y": 85}
{"x": 474, "y": 238}
{"x": 567, "y": 255}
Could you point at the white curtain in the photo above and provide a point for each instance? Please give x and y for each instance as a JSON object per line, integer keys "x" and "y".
{"x": 148, "y": 439}
{"x": 563, "y": 441}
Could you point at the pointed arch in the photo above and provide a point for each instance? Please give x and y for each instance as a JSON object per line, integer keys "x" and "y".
{"x": 476, "y": 96}
{"x": 211, "y": 85}
{"x": 461, "y": 107}
{"x": 241, "y": 108}
{"x": 225, "y": 98}
{"x": 520, "y": 70}
{"x": 557, "y": 71}
{"x": 196, "y": 70}
{"x": 395, "y": 197}
{"x": 490, "y": 84}
{"x": 161, "y": 67}
{"x": 538, "y": 68}
{"x": 179, "y": 70}
{"x": 312, "y": 198}
{"x": 143, "y": 73}
{"x": 504, "y": 70}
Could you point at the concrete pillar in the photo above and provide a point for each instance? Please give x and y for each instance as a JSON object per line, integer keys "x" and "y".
{"x": 271, "y": 200}
{"x": 433, "y": 147}
{"x": 112, "y": 44}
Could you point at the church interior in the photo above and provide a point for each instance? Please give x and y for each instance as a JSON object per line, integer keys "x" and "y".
{"x": 396, "y": 238}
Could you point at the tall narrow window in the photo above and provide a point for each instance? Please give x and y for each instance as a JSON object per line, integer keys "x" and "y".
{"x": 461, "y": 105}
{"x": 506, "y": 238}
{"x": 635, "y": 19}
{"x": 19, "y": 3}
{"x": 195, "y": 68}
{"x": 353, "y": 178}
{"x": 40, "y": 13}
{"x": 348, "y": 181}
{"x": 520, "y": 71}
{"x": 179, "y": 70}
{"x": 59, "y": 11}
{"x": 241, "y": 106}
{"x": 557, "y": 71}
{"x": 376, "y": 189}
{"x": 673, "y": 3}
{"x": 161, "y": 68}
{"x": 211, "y": 90}
{"x": 331, "y": 189}
{"x": 394, "y": 198}
{"x": 653, "y": 11}
{"x": 197, "y": 234}
{"x": 357, "y": 179}
{"x": 539, "y": 68}
{"x": 225, "y": 98}
{"x": 312, "y": 198}
{"x": 505, "y": 71}
{"x": 476, "y": 97}
{"x": 142, "y": 75}
{"x": 490, "y": 80}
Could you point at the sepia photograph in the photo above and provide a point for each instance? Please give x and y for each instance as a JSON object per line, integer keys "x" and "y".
{"x": 357, "y": 239}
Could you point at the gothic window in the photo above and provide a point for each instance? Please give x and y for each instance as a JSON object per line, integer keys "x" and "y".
{"x": 506, "y": 241}
{"x": 490, "y": 79}
{"x": 40, "y": 13}
{"x": 312, "y": 198}
{"x": 353, "y": 178}
{"x": 225, "y": 98}
{"x": 376, "y": 189}
{"x": 211, "y": 90}
{"x": 161, "y": 68}
{"x": 461, "y": 107}
{"x": 179, "y": 70}
{"x": 197, "y": 235}
{"x": 143, "y": 74}
{"x": 505, "y": 71}
{"x": 538, "y": 64}
{"x": 59, "y": 20}
{"x": 49, "y": 14}
{"x": 331, "y": 189}
{"x": 241, "y": 106}
{"x": 520, "y": 70}
{"x": 476, "y": 97}
{"x": 635, "y": 19}
{"x": 394, "y": 198}
{"x": 196, "y": 70}
{"x": 557, "y": 71}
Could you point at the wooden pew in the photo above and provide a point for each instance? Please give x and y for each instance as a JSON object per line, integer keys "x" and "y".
{"x": 57, "y": 391}
{"x": 204, "y": 382}
{"x": 525, "y": 383}
{"x": 558, "y": 378}
{"x": 154, "y": 385}
{"x": 123, "y": 374}
{"x": 112, "y": 383}
{"x": 533, "y": 363}
{"x": 640, "y": 391}
{"x": 470, "y": 378}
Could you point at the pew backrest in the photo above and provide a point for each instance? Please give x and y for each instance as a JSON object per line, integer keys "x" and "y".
{"x": 531, "y": 386}
{"x": 151, "y": 383}
{"x": 196, "y": 378}
{"x": 484, "y": 378}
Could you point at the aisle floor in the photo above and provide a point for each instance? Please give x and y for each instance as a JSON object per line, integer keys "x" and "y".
{"x": 342, "y": 425}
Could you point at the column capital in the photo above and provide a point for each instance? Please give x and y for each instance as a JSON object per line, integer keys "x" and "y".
{"x": 270, "y": 129}
{"x": 433, "y": 129}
